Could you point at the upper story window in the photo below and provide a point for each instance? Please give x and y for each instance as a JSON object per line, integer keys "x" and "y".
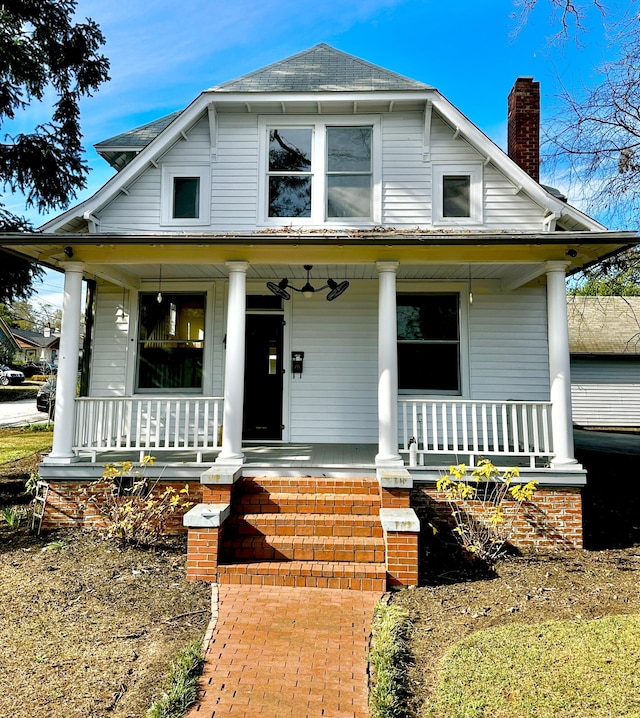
{"x": 457, "y": 194}
{"x": 290, "y": 172}
{"x": 185, "y": 195}
{"x": 349, "y": 171}
{"x": 186, "y": 198}
{"x": 319, "y": 171}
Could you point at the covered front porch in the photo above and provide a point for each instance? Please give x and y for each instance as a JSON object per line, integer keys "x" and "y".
{"x": 337, "y": 401}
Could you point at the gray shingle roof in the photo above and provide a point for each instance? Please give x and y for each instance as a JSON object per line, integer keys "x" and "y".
{"x": 321, "y": 69}
{"x": 604, "y": 325}
{"x": 140, "y": 136}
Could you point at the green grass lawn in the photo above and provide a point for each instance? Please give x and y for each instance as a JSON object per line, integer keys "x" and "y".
{"x": 18, "y": 443}
{"x": 558, "y": 669}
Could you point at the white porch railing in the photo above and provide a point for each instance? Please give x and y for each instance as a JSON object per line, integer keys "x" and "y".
{"x": 516, "y": 429}
{"x": 148, "y": 424}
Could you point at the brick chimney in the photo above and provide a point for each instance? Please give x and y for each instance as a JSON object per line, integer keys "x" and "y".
{"x": 523, "y": 121}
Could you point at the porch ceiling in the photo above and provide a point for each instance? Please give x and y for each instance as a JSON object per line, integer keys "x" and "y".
{"x": 193, "y": 272}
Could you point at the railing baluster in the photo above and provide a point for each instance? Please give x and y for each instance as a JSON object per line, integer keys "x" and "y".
{"x": 525, "y": 429}
{"x": 434, "y": 427}
{"x": 445, "y": 427}
{"x": 485, "y": 430}
{"x": 495, "y": 437}
{"x": 425, "y": 428}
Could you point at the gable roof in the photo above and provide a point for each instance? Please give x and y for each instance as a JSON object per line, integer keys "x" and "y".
{"x": 321, "y": 69}
{"x": 34, "y": 339}
{"x": 332, "y": 75}
{"x": 604, "y": 325}
{"x": 119, "y": 150}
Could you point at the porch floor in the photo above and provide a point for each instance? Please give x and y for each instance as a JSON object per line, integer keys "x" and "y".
{"x": 266, "y": 458}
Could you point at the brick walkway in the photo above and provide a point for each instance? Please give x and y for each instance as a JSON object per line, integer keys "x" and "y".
{"x": 279, "y": 651}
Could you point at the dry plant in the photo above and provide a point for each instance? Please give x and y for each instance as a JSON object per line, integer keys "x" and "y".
{"x": 477, "y": 503}
{"x": 134, "y": 509}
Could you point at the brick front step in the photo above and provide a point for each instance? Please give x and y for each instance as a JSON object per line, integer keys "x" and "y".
{"x": 306, "y": 503}
{"x": 290, "y": 524}
{"x": 307, "y": 485}
{"x": 305, "y": 548}
{"x": 311, "y": 574}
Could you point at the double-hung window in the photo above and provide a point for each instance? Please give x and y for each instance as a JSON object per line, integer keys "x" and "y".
{"x": 170, "y": 341}
{"x": 321, "y": 171}
{"x": 429, "y": 352}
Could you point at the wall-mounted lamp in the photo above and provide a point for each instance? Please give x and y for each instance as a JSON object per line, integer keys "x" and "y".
{"x": 68, "y": 252}
{"x": 571, "y": 253}
{"x": 335, "y": 288}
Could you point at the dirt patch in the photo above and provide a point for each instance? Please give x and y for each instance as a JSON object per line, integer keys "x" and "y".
{"x": 88, "y": 629}
{"x": 534, "y": 587}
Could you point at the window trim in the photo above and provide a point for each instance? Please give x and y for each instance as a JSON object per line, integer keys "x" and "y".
{"x": 179, "y": 287}
{"x": 319, "y": 125}
{"x": 462, "y": 289}
{"x": 474, "y": 172}
{"x": 171, "y": 172}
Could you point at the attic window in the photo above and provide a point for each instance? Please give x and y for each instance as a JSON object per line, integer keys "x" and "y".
{"x": 457, "y": 194}
{"x": 186, "y": 197}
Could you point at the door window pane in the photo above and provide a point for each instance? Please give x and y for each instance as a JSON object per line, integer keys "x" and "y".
{"x": 170, "y": 341}
{"x": 456, "y": 196}
{"x": 186, "y": 197}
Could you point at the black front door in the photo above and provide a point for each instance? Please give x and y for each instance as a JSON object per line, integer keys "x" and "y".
{"x": 263, "y": 377}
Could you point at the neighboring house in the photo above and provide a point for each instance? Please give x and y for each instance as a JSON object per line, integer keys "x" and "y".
{"x": 34, "y": 346}
{"x": 214, "y": 250}
{"x": 604, "y": 339}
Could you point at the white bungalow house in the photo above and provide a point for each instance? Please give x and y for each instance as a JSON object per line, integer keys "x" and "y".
{"x": 326, "y": 267}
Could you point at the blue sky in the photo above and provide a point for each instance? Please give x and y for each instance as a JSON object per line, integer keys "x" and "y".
{"x": 163, "y": 54}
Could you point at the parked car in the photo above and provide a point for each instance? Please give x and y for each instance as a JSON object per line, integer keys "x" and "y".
{"x": 10, "y": 376}
{"x": 40, "y": 367}
{"x": 46, "y": 396}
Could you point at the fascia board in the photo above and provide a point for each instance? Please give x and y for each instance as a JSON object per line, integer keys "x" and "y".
{"x": 251, "y": 98}
{"x": 506, "y": 165}
{"x": 163, "y": 142}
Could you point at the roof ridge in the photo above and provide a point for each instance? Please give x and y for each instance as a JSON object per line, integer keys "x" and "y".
{"x": 341, "y": 79}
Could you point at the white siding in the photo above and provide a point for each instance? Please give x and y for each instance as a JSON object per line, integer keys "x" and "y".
{"x": 502, "y": 207}
{"x": 110, "y": 342}
{"x": 234, "y": 186}
{"x": 335, "y": 398}
{"x": 235, "y": 182}
{"x": 605, "y": 392}
{"x": 508, "y": 346}
{"x": 406, "y": 179}
{"x": 139, "y": 210}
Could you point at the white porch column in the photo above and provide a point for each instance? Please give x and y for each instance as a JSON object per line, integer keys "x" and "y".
{"x": 68, "y": 356}
{"x": 387, "y": 366}
{"x": 559, "y": 367}
{"x": 234, "y": 365}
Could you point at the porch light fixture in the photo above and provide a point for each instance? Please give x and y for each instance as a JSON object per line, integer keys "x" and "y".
{"x": 307, "y": 291}
{"x": 159, "y": 297}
